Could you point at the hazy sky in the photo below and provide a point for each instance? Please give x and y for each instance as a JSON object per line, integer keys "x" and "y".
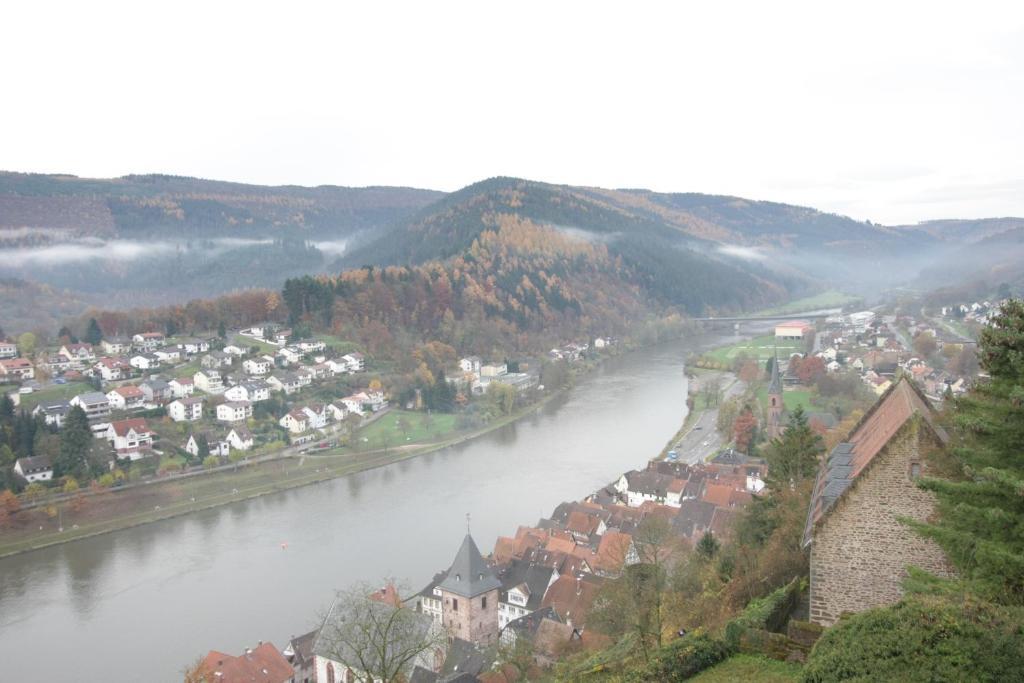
{"x": 893, "y": 112}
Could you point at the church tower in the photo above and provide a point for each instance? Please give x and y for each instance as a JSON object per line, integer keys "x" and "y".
{"x": 469, "y": 597}
{"x": 775, "y": 405}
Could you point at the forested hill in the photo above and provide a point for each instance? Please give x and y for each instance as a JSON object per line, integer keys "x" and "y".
{"x": 38, "y": 208}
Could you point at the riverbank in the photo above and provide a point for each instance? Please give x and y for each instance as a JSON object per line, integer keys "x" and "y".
{"x": 115, "y": 510}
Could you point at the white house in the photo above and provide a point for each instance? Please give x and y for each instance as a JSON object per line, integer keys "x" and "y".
{"x": 216, "y": 445}
{"x": 217, "y": 359}
{"x": 182, "y": 387}
{"x": 793, "y": 329}
{"x": 296, "y": 421}
{"x": 95, "y": 404}
{"x": 209, "y": 380}
{"x": 355, "y": 361}
{"x": 192, "y": 346}
{"x": 240, "y": 438}
{"x": 337, "y": 411}
{"x": 288, "y": 382}
{"x": 17, "y": 369}
{"x": 257, "y": 366}
{"x": 290, "y": 354}
{"x": 188, "y": 409}
{"x": 144, "y": 361}
{"x": 254, "y": 391}
{"x": 168, "y": 354}
{"x": 311, "y": 345}
{"x": 54, "y": 412}
{"x": 116, "y": 346}
{"x": 234, "y": 411}
{"x": 37, "y": 468}
{"x": 493, "y": 370}
{"x": 8, "y": 349}
{"x": 127, "y": 397}
{"x": 80, "y": 353}
{"x": 640, "y": 487}
{"x": 234, "y": 350}
{"x": 148, "y": 341}
{"x": 112, "y": 369}
{"x": 470, "y": 364}
{"x": 132, "y": 439}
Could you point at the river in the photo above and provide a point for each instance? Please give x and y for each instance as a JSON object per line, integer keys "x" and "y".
{"x": 142, "y": 603}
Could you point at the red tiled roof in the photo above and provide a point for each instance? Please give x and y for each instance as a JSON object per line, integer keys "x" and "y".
{"x": 263, "y": 664}
{"x": 571, "y": 597}
{"x": 122, "y": 427}
{"x": 718, "y": 494}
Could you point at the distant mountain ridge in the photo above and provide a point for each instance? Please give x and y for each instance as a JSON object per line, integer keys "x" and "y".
{"x": 37, "y": 208}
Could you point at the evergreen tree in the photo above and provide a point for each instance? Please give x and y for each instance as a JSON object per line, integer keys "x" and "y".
{"x": 24, "y": 434}
{"x": 93, "y": 335}
{"x": 222, "y": 330}
{"x": 981, "y": 520}
{"x": 75, "y": 441}
{"x": 65, "y": 333}
{"x": 202, "y": 446}
{"x": 793, "y": 457}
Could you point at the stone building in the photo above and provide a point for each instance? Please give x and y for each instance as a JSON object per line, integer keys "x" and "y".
{"x": 469, "y": 597}
{"x": 860, "y": 550}
{"x": 775, "y": 405}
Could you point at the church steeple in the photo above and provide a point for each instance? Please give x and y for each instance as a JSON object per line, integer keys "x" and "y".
{"x": 775, "y": 405}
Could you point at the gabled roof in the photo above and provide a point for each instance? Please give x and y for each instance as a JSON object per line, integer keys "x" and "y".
{"x": 531, "y": 579}
{"x": 902, "y": 401}
{"x": 122, "y": 427}
{"x": 469, "y": 575}
{"x": 263, "y": 663}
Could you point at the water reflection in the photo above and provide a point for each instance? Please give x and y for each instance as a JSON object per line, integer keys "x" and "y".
{"x": 221, "y": 579}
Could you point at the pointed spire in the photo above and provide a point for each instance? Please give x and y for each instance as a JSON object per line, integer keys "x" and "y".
{"x": 469, "y": 574}
{"x": 775, "y": 385}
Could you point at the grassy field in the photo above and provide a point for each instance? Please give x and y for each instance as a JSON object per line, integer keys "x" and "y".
{"x": 402, "y": 426}
{"x": 247, "y": 342}
{"x": 57, "y": 392}
{"x": 750, "y": 668}
{"x": 830, "y": 299}
{"x": 762, "y": 348}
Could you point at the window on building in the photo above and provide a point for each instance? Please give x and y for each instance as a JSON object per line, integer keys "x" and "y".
{"x": 455, "y": 604}
{"x": 483, "y": 602}
{"x": 915, "y": 470}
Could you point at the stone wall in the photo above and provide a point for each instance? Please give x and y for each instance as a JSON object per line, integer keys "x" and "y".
{"x": 471, "y": 621}
{"x": 861, "y": 551}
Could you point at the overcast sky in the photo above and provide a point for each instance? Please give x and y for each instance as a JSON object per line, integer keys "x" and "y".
{"x": 892, "y": 112}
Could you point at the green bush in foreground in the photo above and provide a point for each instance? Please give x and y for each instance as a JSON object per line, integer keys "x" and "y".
{"x": 681, "y": 659}
{"x": 923, "y": 639}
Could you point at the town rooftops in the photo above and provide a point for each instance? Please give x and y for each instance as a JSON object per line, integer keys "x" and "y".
{"x": 902, "y": 401}
{"x": 92, "y": 398}
{"x": 262, "y": 663}
{"x": 469, "y": 575}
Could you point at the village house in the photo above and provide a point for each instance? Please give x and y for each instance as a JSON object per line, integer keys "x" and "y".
{"x": 214, "y": 444}
{"x": 168, "y": 354}
{"x": 305, "y": 376}
{"x": 8, "y": 349}
{"x": 355, "y": 361}
{"x": 289, "y": 355}
{"x": 337, "y": 411}
{"x": 638, "y": 487}
{"x": 53, "y": 412}
{"x": 156, "y": 390}
{"x": 116, "y": 346}
{"x": 295, "y": 421}
{"x": 258, "y": 366}
{"x": 288, "y": 382}
{"x": 37, "y": 468}
{"x": 148, "y": 341}
{"x": 523, "y": 586}
{"x": 144, "y": 361}
{"x": 190, "y": 346}
{"x": 470, "y": 364}
{"x": 188, "y": 409}
{"x": 217, "y": 359}
{"x": 234, "y": 411}
{"x": 95, "y": 404}
{"x": 56, "y": 364}
{"x": 262, "y": 663}
{"x": 234, "y": 350}
{"x": 299, "y": 653}
{"x": 860, "y": 548}
{"x": 128, "y": 397}
{"x": 78, "y": 353}
{"x": 113, "y": 369}
{"x": 240, "y": 438}
{"x": 253, "y": 391}
{"x": 131, "y": 439}
{"x": 310, "y": 345}
{"x": 17, "y": 369}
{"x": 209, "y": 381}
{"x": 182, "y": 387}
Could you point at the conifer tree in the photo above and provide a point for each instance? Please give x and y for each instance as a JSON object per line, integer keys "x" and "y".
{"x": 981, "y": 522}
{"x": 75, "y": 441}
{"x": 93, "y": 335}
{"x": 793, "y": 457}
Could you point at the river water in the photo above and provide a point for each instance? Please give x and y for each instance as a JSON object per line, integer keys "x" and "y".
{"x": 141, "y": 604}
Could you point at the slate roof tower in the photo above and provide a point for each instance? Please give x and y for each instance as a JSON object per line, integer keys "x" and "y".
{"x": 469, "y": 597}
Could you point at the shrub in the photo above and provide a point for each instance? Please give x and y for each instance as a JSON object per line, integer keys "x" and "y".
{"x": 769, "y": 613}
{"x": 925, "y": 638}
{"x": 681, "y": 659}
